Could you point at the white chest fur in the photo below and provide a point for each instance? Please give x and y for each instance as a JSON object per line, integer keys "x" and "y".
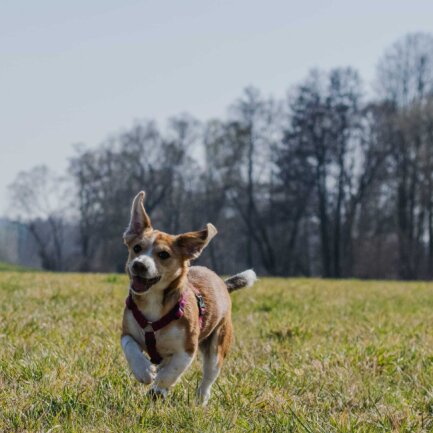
{"x": 169, "y": 340}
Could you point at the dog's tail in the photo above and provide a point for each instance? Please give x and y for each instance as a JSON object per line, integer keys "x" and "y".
{"x": 238, "y": 281}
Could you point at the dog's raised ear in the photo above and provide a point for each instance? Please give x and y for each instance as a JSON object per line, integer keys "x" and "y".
{"x": 191, "y": 244}
{"x": 140, "y": 221}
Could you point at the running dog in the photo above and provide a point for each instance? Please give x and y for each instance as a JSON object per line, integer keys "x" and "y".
{"x": 173, "y": 308}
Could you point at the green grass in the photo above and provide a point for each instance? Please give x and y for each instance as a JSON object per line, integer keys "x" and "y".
{"x": 309, "y": 356}
{"x": 14, "y": 268}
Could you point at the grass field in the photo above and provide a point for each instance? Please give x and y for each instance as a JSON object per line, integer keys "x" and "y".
{"x": 14, "y": 268}
{"x": 309, "y": 356}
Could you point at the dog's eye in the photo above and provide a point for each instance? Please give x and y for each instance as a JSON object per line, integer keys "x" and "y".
{"x": 137, "y": 248}
{"x": 163, "y": 255}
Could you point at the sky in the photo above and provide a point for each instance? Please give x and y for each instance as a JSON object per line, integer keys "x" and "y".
{"x": 78, "y": 71}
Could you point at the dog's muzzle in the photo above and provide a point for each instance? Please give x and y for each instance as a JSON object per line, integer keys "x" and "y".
{"x": 141, "y": 285}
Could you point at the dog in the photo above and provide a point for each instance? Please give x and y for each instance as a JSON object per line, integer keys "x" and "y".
{"x": 174, "y": 309}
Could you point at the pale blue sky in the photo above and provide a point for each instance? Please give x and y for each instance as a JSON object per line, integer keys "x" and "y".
{"x": 76, "y": 71}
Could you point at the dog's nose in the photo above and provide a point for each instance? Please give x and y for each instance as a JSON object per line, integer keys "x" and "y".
{"x": 139, "y": 268}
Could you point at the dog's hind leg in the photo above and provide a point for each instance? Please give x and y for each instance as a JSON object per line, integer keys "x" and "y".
{"x": 214, "y": 349}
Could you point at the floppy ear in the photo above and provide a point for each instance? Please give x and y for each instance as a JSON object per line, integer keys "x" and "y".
{"x": 192, "y": 244}
{"x": 140, "y": 221}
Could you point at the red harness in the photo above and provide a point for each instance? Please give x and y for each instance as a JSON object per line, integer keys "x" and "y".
{"x": 174, "y": 314}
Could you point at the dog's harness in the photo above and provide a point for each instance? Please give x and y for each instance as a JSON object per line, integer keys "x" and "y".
{"x": 151, "y": 327}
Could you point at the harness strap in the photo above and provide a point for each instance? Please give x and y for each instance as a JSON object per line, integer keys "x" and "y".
{"x": 174, "y": 314}
{"x": 150, "y": 340}
{"x": 201, "y": 306}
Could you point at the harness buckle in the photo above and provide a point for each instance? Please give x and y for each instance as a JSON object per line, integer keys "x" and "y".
{"x": 148, "y": 327}
{"x": 201, "y": 305}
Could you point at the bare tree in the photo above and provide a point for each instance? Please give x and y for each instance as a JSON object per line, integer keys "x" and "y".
{"x": 405, "y": 72}
{"x": 255, "y": 121}
{"x": 38, "y": 199}
{"x": 405, "y": 79}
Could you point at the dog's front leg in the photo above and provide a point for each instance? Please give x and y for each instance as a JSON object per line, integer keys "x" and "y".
{"x": 170, "y": 373}
{"x": 142, "y": 368}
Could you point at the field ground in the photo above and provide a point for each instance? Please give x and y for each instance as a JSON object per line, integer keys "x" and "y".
{"x": 309, "y": 356}
{"x": 15, "y": 268}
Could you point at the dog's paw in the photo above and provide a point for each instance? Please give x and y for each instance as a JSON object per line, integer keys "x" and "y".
{"x": 203, "y": 397}
{"x": 143, "y": 373}
{"x": 156, "y": 393}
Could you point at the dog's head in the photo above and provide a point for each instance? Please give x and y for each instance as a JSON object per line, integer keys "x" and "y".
{"x": 155, "y": 258}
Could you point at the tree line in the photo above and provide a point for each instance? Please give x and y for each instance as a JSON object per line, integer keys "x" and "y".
{"x": 324, "y": 181}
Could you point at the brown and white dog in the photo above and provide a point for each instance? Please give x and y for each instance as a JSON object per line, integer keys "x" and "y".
{"x": 160, "y": 276}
